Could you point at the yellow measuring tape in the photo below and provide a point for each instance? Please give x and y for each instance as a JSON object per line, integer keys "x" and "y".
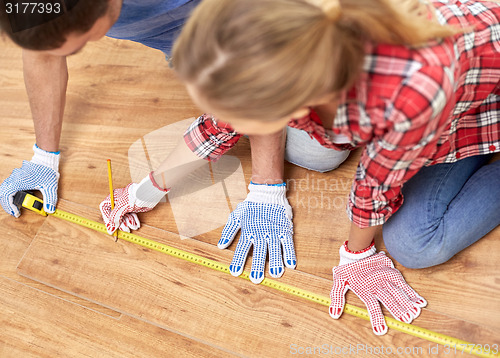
{"x": 453, "y": 345}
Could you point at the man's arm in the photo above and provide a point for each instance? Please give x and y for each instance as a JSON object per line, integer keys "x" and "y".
{"x": 46, "y": 79}
{"x": 268, "y": 153}
{"x": 265, "y": 216}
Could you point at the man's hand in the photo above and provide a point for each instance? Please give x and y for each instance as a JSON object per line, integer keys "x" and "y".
{"x": 265, "y": 220}
{"x": 41, "y": 173}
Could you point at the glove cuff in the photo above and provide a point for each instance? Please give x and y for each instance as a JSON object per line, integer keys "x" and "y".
{"x": 148, "y": 193}
{"x": 267, "y": 194}
{"x": 348, "y": 257}
{"x": 47, "y": 159}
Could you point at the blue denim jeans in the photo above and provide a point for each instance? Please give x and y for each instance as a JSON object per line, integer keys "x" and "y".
{"x": 307, "y": 153}
{"x": 447, "y": 207}
{"x": 154, "y": 23}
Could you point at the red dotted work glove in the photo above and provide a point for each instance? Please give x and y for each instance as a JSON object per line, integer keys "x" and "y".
{"x": 134, "y": 198}
{"x": 373, "y": 278}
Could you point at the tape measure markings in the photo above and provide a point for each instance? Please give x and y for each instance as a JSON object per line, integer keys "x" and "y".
{"x": 410, "y": 329}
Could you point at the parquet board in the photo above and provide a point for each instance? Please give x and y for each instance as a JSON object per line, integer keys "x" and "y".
{"x": 17, "y": 234}
{"x": 230, "y": 313}
{"x": 120, "y": 92}
{"x": 318, "y": 199}
{"x": 36, "y": 324}
{"x": 42, "y": 321}
{"x": 14, "y": 241}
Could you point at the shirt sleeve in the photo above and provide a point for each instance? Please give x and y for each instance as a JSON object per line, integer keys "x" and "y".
{"x": 411, "y": 125}
{"x": 210, "y": 139}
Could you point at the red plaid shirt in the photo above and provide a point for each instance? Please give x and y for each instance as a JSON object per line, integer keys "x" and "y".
{"x": 410, "y": 108}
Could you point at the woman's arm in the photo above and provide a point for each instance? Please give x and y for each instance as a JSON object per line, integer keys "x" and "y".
{"x": 360, "y": 239}
{"x": 267, "y": 161}
{"x": 179, "y": 163}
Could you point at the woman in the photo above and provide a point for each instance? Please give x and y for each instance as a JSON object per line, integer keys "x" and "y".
{"x": 416, "y": 84}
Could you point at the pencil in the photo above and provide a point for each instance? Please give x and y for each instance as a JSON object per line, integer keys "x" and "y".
{"x": 112, "y": 194}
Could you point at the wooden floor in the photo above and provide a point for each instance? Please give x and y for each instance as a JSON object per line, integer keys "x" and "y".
{"x": 71, "y": 292}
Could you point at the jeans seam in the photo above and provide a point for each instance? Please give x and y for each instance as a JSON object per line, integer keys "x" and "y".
{"x": 439, "y": 186}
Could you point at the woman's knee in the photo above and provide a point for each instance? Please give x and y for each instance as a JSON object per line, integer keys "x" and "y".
{"x": 420, "y": 250}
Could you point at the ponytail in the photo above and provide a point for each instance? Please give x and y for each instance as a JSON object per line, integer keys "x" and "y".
{"x": 397, "y": 22}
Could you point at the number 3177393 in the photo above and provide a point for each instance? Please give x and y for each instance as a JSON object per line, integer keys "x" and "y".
{"x": 33, "y": 7}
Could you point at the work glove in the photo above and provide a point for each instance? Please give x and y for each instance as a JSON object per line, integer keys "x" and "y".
{"x": 265, "y": 220}
{"x": 372, "y": 277}
{"x": 40, "y": 173}
{"x": 134, "y": 198}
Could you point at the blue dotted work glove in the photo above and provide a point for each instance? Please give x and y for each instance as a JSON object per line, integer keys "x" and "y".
{"x": 265, "y": 220}
{"x": 41, "y": 173}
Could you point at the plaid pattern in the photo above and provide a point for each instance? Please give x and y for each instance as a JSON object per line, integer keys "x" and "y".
{"x": 210, "y": 139}
{"x": 418, "y": 107}
{"x": 410, "y": 108}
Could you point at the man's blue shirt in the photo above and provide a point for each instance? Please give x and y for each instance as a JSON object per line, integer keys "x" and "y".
{"x": 154, "y": 23}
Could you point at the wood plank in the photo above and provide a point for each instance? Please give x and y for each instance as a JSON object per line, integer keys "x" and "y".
{"x": 17, "y": 235}
{"x": 36, "y": 324}
{"x": 120, "y": 92}
{"x": 236, "y": 314}
{"x": 465, "y": 287}
{"x": 41, "y": 321}
{"x": 321, "y": 225}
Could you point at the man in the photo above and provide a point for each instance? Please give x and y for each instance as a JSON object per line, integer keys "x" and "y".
{"x": 48, "y": 37}
{"x": 46, "y": 42}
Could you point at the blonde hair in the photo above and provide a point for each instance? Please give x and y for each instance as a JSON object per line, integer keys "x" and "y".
{"x": 264, "y": 59}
